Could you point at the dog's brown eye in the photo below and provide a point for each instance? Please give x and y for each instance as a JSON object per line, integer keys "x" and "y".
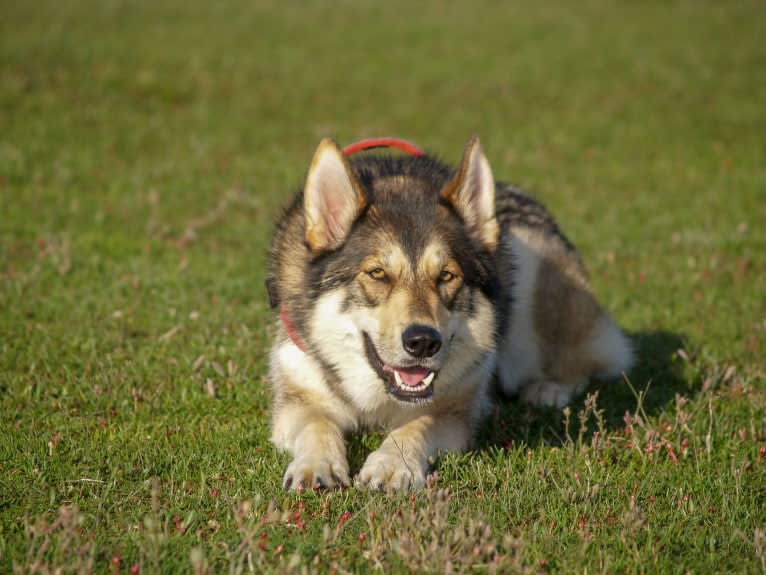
{"x": 377, "y": 274}
{"x": 446, "y": 276}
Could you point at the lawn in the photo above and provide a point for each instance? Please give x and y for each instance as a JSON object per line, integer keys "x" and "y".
{"x": 146, "y": 149}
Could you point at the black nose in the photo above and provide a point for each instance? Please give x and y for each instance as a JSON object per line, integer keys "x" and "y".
{"x": 421, "y": 341}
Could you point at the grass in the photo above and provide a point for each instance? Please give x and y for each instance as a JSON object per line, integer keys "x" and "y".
{"x": 146, "y": 149}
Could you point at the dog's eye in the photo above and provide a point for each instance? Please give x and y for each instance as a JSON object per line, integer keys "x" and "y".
{"x": 446, "y": 276}
{"x": 377, "y": 274}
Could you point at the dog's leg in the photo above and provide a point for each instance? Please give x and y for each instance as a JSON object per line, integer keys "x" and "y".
{"x": 307, "y": 421}
{"x": 402, "y": 461}
{"x": 559, "y": 336}
{"x": 317, "y": 445}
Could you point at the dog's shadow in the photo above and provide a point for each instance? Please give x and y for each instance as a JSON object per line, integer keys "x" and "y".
{"x": 654, "y": 381}
{"x": 656, "y": 378}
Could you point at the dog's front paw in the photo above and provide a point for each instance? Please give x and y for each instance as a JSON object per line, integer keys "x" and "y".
{"x": 390, "y": 470}
{"x": 316, "y": 472}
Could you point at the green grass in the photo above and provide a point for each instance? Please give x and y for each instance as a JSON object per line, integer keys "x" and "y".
{"x": 146, "y": 149}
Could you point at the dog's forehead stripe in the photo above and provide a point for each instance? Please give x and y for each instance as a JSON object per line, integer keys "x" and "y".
{"x": 434, "y": 254}
{"x": 413, "y": 258}
{"x": 395, "y": 259}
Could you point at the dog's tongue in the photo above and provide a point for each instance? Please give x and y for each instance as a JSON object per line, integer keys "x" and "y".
{"x": 412, "y": 376}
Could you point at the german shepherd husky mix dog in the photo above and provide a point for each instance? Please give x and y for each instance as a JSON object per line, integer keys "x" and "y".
{"x": 405, "y": 288}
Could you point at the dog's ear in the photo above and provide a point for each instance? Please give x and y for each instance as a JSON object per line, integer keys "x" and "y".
{"x": 472, "y": 194}
{"x": 332, "y": 198}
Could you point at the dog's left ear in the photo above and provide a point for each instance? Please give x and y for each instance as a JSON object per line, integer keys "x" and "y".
{"x": 332, "y": 198}
{"x": 472, "y": 194}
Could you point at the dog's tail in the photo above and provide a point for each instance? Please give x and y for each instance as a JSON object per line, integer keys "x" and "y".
{"x": 610, "y": 349}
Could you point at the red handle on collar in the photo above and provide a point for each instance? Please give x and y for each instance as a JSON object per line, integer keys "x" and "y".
{"x": 371, "y": 143}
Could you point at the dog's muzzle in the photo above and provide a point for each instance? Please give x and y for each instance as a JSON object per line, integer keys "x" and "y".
{"x": 412, "y": 384}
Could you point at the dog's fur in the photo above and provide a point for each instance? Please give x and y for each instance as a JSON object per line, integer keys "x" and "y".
{"x": 404, "y": 286}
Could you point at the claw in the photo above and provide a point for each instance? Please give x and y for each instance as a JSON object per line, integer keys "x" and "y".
{"x": 317, "y": 474}
{"x": 338, "y": 481}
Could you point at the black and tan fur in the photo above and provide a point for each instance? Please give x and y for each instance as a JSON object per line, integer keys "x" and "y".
{"x": 409, "y": 285}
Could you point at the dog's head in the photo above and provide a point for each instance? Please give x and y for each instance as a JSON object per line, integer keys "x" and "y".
{"x": 402, "y": 269}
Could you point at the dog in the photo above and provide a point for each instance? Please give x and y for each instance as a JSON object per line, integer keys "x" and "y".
{"x": 406, "y": 288}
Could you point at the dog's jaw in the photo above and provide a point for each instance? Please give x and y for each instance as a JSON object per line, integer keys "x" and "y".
{"x": 405, "y": 384}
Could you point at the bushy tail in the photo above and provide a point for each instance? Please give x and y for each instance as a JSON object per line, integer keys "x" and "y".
{"x": 611, "y": 349}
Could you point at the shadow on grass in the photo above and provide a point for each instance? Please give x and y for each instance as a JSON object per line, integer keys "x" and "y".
{"x": 657, "y": 377}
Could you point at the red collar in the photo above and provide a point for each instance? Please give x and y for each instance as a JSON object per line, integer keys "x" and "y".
{"x": 290, "y": 329}
{"x": 350, "y": 150}
{"x": 371, "y": 143}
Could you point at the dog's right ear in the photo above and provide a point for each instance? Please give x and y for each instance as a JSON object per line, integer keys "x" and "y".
{"x": 332, "y": 198}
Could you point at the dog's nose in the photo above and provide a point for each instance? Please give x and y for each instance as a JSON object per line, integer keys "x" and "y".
{"x": 421, "y": 341}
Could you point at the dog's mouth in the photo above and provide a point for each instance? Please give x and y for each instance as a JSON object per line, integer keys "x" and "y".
{"x": 410, "y": 384}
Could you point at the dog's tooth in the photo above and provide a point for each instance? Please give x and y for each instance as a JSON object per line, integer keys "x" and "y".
{"x": 398, "y": 379}
{"x": 428, "y": 379}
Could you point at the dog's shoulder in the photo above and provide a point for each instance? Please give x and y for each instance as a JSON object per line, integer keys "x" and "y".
{"x": 517, "y": 209}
